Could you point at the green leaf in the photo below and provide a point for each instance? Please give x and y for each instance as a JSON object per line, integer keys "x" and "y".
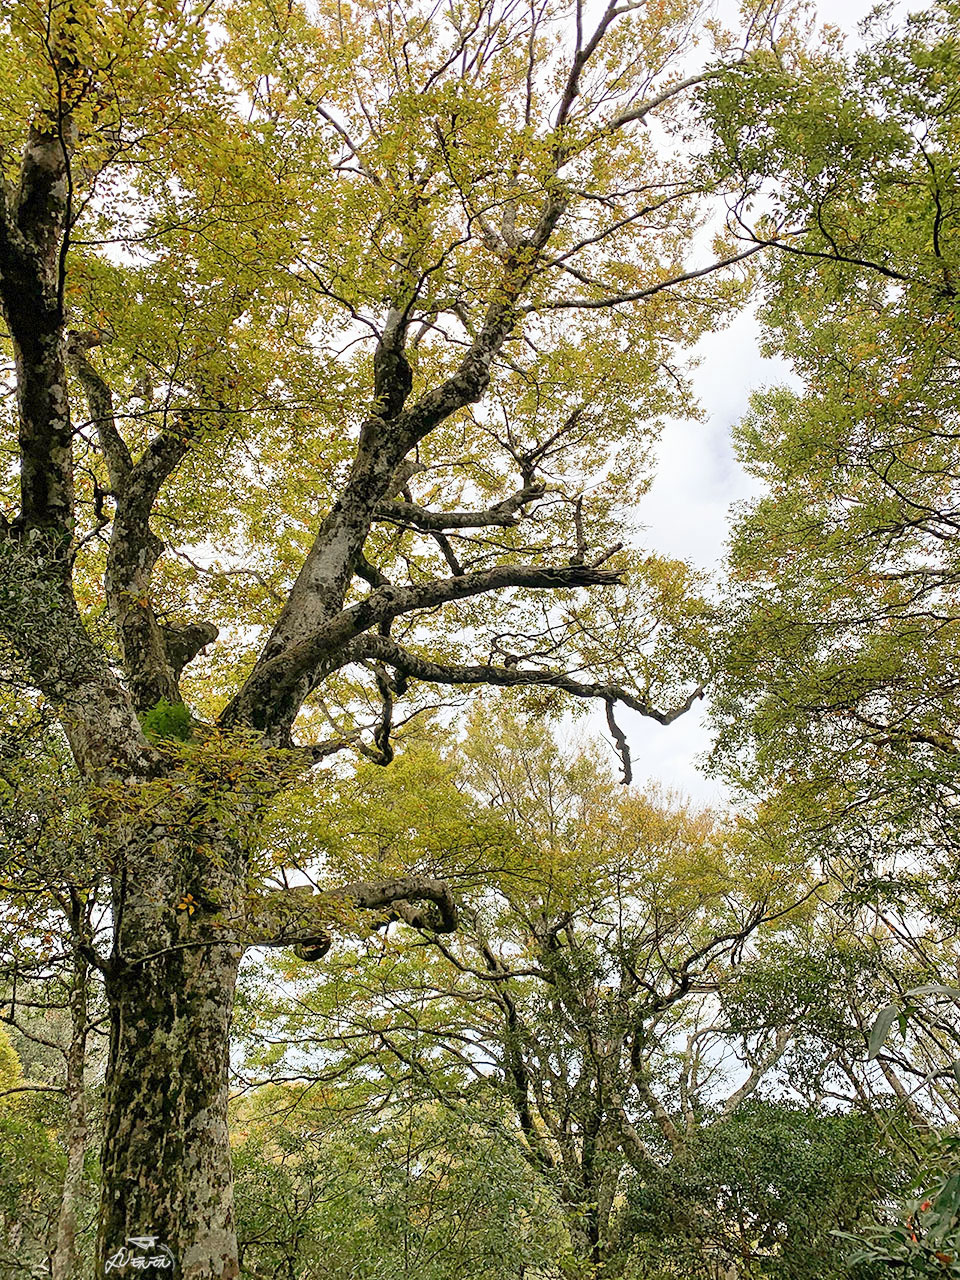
{"x": 881, "y": 1028}
{"x": 167, "y": 720}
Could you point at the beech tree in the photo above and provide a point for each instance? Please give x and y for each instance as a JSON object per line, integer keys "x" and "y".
{"x": 579, "y": 1015}
{"x": 52, "y": 896}
{"x": 840, "y": 694}
{"x": 839, "y": 704}
{"x": 338, "y": 341}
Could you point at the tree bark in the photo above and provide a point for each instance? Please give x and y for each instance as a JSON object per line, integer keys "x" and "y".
{"x": 166, "y": 1159}
{"x": 64, "y": 1261}
{"x": 182, "y": 917}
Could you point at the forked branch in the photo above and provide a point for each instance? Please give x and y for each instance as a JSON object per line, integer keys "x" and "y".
{"x": 414, "y": 666}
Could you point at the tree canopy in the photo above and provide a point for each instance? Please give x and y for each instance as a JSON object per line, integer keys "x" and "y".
{"x": 337, "y": 340}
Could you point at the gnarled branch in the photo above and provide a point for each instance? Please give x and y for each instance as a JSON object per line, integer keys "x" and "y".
{"x": 504, "y": 514}
{"x": 154, "y": 655}
{"x": 415, "y": 666}
{"x": 273, "y": 693}
{"x": 300, "y": 917}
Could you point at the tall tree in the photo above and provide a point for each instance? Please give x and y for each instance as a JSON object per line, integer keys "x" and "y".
{"x": 52, "y": 907}
{"x": 839, "y": 702}
{"x": 579, "y": 1013}
{"x": 842, "y": 692}
{"x": 342, "y": 334}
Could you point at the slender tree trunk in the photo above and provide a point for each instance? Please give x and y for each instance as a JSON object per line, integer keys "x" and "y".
{"x": 166, "y": 1160}
{"x": 64, "y": 1261}
{"x": 918, "y": 1119}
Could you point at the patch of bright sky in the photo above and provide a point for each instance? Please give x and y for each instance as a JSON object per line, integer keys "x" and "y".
{"x": 699, "y": 480}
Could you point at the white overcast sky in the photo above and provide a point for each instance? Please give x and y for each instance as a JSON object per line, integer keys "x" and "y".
{"x": 686, "y": 513}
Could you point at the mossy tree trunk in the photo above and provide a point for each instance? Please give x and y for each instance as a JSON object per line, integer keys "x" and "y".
{"x": 166, "y": 1155}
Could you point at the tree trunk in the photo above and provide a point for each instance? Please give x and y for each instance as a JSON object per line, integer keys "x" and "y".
{"x": 166, "y": 1160}
{"x": 64, "y": 1261}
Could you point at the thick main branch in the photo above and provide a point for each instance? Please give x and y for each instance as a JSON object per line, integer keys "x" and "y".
{"x": 273, "y": 693}
{"x": 300, "y": 917}
{"x": 153, "y": 655}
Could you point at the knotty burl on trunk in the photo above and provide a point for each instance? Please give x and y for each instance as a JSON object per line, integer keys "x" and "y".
{"x": 350, "y": 361}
